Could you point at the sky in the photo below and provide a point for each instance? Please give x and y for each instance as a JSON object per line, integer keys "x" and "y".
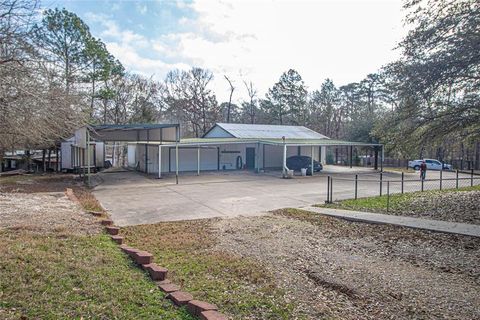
{"x": 256, "y": 41}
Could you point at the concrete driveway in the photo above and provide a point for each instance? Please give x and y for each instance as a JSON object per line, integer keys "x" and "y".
{"x": 132, "y": 198}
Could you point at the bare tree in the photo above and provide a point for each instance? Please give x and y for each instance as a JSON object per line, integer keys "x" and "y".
{"x": 229, "y": 107}
{"x": 251, "y": 107}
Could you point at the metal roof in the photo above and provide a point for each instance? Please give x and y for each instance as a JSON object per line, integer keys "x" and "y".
{"x": 267, "y": 131}
{"x": 288, "y": 142}
{"x": 136, "y": 126}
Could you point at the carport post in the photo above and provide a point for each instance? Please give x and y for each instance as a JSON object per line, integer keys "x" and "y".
{"x": 88, "y": 157}
{"x": 198, "y": 160}
{"x": 351, "y": 156}
{"x": 311, "y": 156}
{"x": 159, "y": 161}
{"x": 284, "y": 169}
{"x": 383, "y": 158}
{"x": 176, "y": 162}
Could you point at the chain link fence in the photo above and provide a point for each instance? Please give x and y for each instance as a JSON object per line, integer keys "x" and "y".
{"x": 339, "y": 188}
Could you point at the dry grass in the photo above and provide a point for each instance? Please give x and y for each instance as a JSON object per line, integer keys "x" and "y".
{"x": 336, "y": 269}
{"x": 239, "y": 287}
{"x": 55, "y": 263}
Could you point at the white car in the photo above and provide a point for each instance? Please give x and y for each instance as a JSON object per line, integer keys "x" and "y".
{"x": 432, "y": 164}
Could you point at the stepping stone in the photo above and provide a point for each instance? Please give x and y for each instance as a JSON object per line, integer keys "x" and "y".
{"x": 196, "y": 307}
{"x": 156, "y": 272}
{"x": 180, "y": 298}
{"x": 106, "y": 222}
{"x": 142, "y": 257}
{"x": 112, "y": 230}
{"x": 117, "y": 239}
{"x": 169, "y": 287}
{"x": 212, "y": 315}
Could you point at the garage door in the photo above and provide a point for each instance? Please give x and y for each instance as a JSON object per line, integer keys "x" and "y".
{"x": 187, "y": 159}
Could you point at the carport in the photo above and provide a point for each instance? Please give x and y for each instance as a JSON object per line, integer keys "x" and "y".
{"x": 315, "y": 148}
{"x": 141, "y": 134}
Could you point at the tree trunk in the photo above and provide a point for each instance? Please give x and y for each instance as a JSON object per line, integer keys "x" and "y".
{"x": 44, "y": 152}
{"x": 49, "y": 159}
{"x": 1, "y": 159}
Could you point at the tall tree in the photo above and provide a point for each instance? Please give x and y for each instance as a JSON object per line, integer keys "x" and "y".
{"x": 63, "y": 39}
{"x": 437, "y": 78}
{"x": 288, "y": 99}
{"x": 191, "y": 101}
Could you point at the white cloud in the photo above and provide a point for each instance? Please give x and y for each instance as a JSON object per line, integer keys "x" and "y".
{"x": 258, "y": 40}
{"x": 342, "y": 40}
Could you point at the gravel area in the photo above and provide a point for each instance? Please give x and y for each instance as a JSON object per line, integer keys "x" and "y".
{"x": 463, "y": 206}
{"x": 45, "y": 212}
{"x": 338, "y": 269}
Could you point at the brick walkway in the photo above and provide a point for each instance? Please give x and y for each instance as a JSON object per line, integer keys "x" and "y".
{"x": 418, "y": 223}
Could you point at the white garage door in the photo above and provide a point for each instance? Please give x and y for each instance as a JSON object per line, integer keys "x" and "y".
{"x": 187, "y": 159}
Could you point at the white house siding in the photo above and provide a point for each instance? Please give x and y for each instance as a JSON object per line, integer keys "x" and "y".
{"x": 66, "y": 151}
{"x": 218, "y": 132}
{"x": 99, "y": 154}
{"x": 131, "y": 153}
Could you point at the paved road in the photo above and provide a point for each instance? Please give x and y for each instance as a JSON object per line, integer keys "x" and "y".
{"x": 134, "y": 199}
{"x": 418, "y": 223}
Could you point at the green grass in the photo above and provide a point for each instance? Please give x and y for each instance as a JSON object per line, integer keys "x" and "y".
{"x": 396, "y": 201}
{"x": 81, "y": 277}
{"x": 238, "y": 286}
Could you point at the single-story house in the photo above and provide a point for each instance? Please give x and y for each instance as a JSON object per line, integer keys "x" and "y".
{"x": 232, "y": 146}
{"x": 158, "y": 149}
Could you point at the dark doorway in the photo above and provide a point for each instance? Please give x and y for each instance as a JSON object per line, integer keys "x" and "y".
{"x": 250, "y": 158}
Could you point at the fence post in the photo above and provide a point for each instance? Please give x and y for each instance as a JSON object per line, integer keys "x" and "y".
{"x": 388, "y": 195}
{"x": 381, "y": 180}
{"x": 403, "y": 175}
{"x": 441, "y": 177}
{"x": 331, "y": 190}
{"x": 356, "y": 186}
{"x": 456, "y": 185}
{"x": 471, "y": 178}
{"x": 422, "y": 183}
{"x": 328, "y": 190}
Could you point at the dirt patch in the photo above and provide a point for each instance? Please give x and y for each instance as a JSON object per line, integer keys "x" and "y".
{"x": 346, "y": 270}
{"x": 33, "y": 183}
{"x": 45, "y": 212}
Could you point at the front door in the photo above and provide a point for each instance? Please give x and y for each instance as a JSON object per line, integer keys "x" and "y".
{"x": 250, "y": 158}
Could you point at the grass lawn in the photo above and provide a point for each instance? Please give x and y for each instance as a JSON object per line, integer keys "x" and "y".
{"x": 55, "y": 274}
{"x": 444, "y": 204}
{"x": 240, "y": 287}
{"x": 50, "y": 277}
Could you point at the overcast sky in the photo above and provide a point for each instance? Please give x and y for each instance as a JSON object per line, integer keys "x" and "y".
{"x": 343, "y": 40}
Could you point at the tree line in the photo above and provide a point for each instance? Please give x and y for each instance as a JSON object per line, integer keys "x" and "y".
{"x": 55, "y": 76}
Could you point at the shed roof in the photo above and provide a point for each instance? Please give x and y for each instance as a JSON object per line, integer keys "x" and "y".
{"x": 266, "y": 131}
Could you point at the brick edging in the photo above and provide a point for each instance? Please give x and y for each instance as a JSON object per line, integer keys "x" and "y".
{"x": 144, "y": 260}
